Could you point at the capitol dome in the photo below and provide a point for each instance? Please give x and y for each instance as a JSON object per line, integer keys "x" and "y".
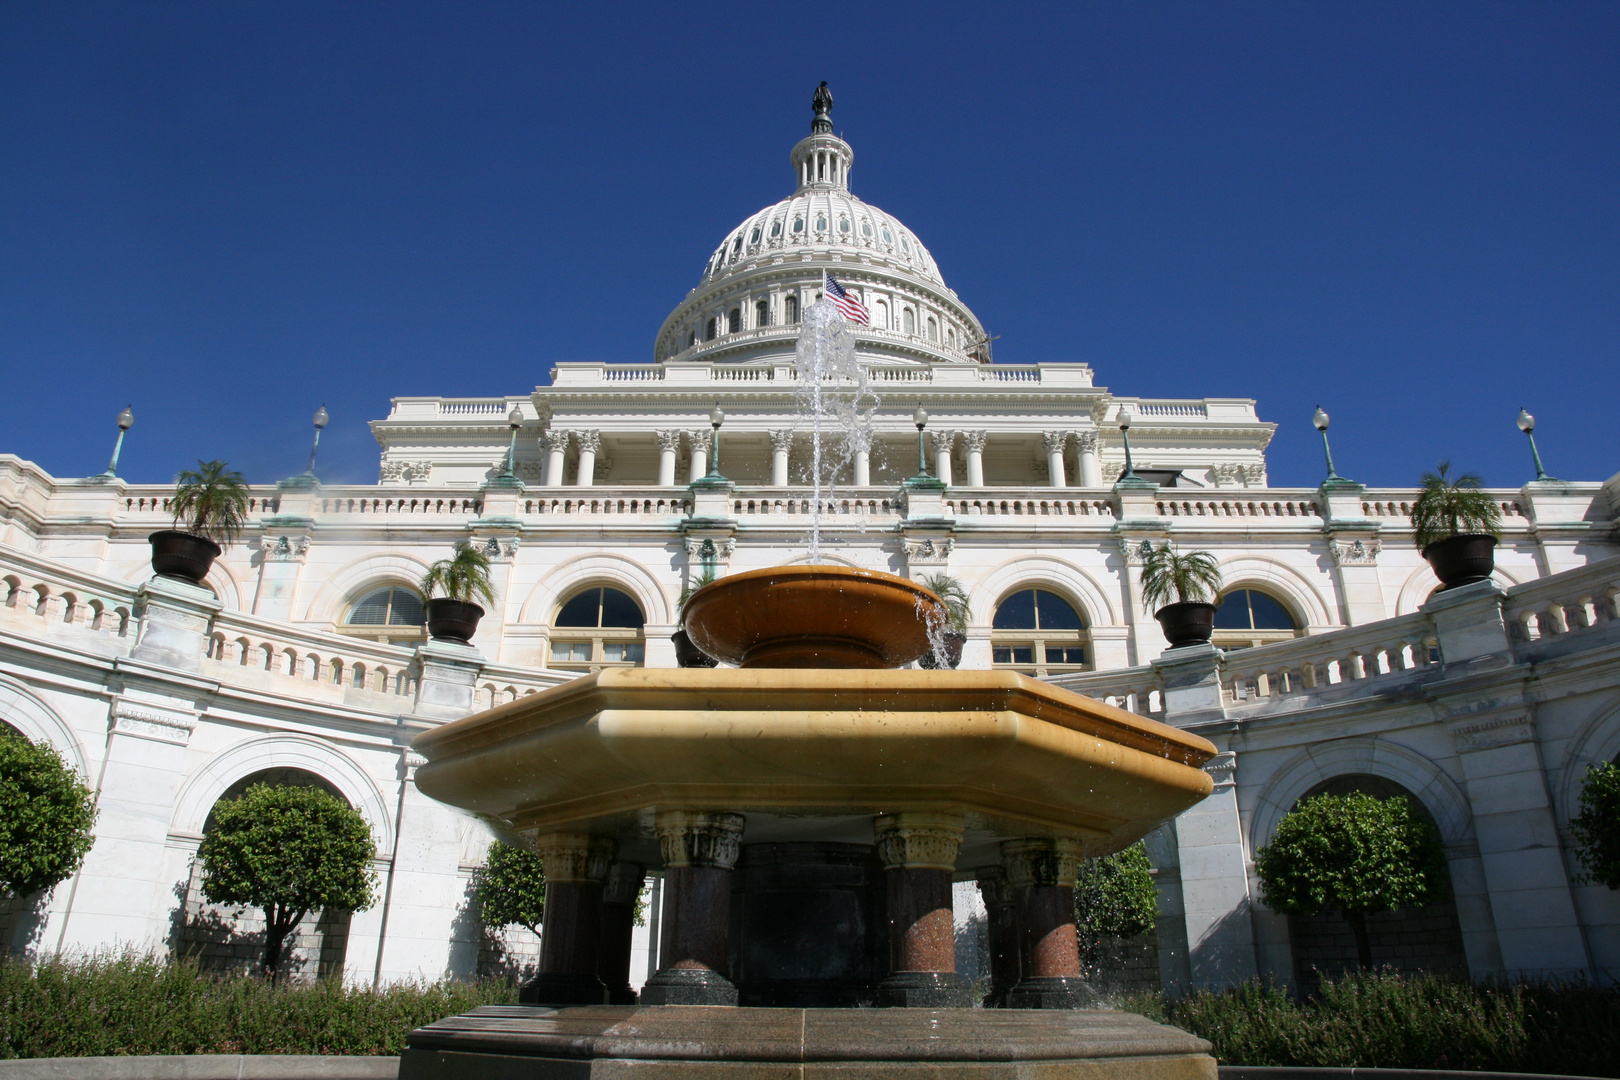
{"x": 745, "y": 308}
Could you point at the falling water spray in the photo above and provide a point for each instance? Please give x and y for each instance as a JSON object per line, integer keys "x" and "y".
{"x": 834, "y": 394}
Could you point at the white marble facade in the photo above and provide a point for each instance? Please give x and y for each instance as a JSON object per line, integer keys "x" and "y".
{"x": 164, "y": 697}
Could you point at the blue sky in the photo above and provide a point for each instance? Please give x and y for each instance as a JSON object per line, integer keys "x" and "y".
{"x": 228, "y": 214}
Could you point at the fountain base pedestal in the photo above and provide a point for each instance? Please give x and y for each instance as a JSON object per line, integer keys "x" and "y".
{"x": 925, "y": 990}
{"x": 1052, "y": 992}
{"x": 497, "y": 1042}
{"x": 689, "y": 986}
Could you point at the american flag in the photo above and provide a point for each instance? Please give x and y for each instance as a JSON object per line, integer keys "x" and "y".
{"x": 849, "y": 307}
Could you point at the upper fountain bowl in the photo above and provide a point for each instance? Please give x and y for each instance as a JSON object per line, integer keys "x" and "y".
{"x": 813, "y": 617}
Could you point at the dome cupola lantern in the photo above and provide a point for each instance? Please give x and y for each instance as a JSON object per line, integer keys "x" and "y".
{"x": 822, "y": 161}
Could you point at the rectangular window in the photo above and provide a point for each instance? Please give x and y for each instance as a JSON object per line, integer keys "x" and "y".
{"x": 620, "y": 652}
{"x": 1065, "y": 654}
{"x": 1010, "y": 654}
{"x": 570, "y": 652}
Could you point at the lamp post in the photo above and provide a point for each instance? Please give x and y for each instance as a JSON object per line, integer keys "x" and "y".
{"x": 514, "y": 420}
{"x": 1320, "y": 420}
{"x": 1125, "y": 434}
{"x": 321, "y": 420}
{"x": 1527, "y": 424}
{"x": 126, "y": 420}
{"x": 716, "y": 418}
{"x": 920, "y": 418}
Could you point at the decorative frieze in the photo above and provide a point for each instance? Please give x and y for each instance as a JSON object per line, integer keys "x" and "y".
{"x": 1496, "y": 731}
{"x": 146, "y": 722}
{"x": 700, "y": 838}
{"x": 405, "y": 472}
{"x": 918, "y": 840}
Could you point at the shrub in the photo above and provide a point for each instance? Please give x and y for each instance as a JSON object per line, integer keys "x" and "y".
{"x": 288, "y": 850}
{"x": 512, "y": 888}
{"x": 144, "y": 1004}
{"x": 1597, "y": 826}
{"x": 1353, "y": 854}
{"x": 46, "y": 812}
{"x": 211, "y": 501}
{"x": 1115, "y": 895}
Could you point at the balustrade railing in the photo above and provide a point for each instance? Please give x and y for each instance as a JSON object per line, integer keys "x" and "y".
{"x": 987, "y": 502}
{"x": 1266, "y": 505}
{"x": 1567, "y": 603}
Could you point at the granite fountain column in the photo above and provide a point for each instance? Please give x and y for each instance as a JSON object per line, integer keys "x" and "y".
{"x": 700, "y": 849}
{"x": 619, "y": 892}
{"x": 575, "y": 865}
{"x": 918, "y": 850}
{"x": 1041, "y": 874}
{"x": 1001, "y": 913}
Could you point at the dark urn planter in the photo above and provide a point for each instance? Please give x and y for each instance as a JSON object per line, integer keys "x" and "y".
{"x": 452, "y": 620}
{"x": 688, "y": 654}
{"x": 182, "y": 555}
{"x": 951, "y": 645}
{"x": 1462, "y": 559}
{"x": 1186, "y": 623}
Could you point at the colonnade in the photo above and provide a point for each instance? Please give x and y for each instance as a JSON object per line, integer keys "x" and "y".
{"x": 590, "y": 896}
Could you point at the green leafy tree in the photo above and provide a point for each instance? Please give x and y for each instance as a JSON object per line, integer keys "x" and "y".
{"x": 1597, "y": 826}
{"x": 463, "y": 577}
{"x": 1114, "y": 895}
{"x": 1354, "y": 854}
{"x": 512, "y": 888}
{"x": 46, "y": 813}
{"x": 1170, "y": 577}
{"x": 288, "y": 851}
{"x": 211, "y": 501}
{"x": 1447, "y": 507}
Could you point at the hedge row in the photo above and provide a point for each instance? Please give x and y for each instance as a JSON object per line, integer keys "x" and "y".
{"x": 150, "y": 1005}
{"x": 1388, "y": 1021}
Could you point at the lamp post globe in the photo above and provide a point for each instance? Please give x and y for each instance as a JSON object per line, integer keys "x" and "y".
{"x": 1320, "y": 422}
{"x": 126, "y": 420}
{"x": 716, "y": 418}
{"x": 321, "y": 420}
{"x": 1527, "y": 424}
{"x": 920, "y": 418}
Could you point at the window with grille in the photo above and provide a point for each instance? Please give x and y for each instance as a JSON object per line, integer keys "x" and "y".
{"x": 1249, "y": 617}
{"x": 391, "y": 613}
{"x": 596, "y": 628}
{"x": 1038, "y": 632}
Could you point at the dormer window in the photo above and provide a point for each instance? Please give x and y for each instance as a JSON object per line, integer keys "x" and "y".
{"x": 866, "y": 229}
{"x": 821, "y": 224}
{"x": 798, "y": 224}
{"x": 753, "y": 237}
{"x": 843, "y": 225}
{"x": 776, "y": 230}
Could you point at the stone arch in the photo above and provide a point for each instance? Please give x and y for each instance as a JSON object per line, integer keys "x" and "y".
{"x": 227, "y": 589}
{"x": 1421, "y": 582}
{"x": 359, "y": 576}
{"x": 1038, "y": 571}
{"x": 204, "y": 787}
{"x": 600, "y": 568}
{"x": 1276, "y": 578}
{"x": 1598, "y": 741}
{"x": 39, "y": 723}
{"x": 1314, "y": 765}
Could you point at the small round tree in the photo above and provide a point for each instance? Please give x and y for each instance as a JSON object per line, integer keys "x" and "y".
{"x": 1354, "y": 854}
{"x": 46, "y": 813}
{"x": 1115, "y": 896}
{"x": 288, "y": 851}
{"x": 1597, "y": 826}
{"x": 512, "y": 888}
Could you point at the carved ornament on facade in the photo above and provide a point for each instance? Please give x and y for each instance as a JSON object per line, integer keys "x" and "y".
{"x": 1356, "y": 552}
{"x": 699, "y": 838}
{"x": 1497, "y": 731}
{"x": 929, "y": 550}
{"x": 533, "y": 471}
{"x": 405, "y": 472}
{"x": 1228, "y": 474}
{"x": 918, "y": 840}
{"x": 973, "y": 441}
{"x": 781, "y": 442}
{"x": 1086, "y": 441}
{"x": 145, "y": 722}
{"x": 1112, "y": 471}
{"x": 1223, "y": 769}
{"x": 286, "y": 549}
{"x": 1135, "y": 551}
{"x": 500, "y": 548}
{"x": 577, "y": 857}
{"x": 941, "y": 441}
{"x": 588, "y": 440}
{"x": 1041, "y": 861}
{"x": 706, "y": 549}
{"x": 555, "y": 441}
{"x": 1055, "y": 442}
{"x": 669, "y": 441}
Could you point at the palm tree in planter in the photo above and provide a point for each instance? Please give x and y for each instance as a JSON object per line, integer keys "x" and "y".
{"x": 947, "y": 652}
{"x": 686, "y": 653}
{"x": 1456, "y": 523}
{"x": 464, "y": 580}
{"x": 1186, "y": 585}
{"x": 210, "y": 508}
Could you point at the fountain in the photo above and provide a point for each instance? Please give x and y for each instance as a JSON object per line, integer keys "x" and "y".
{"x": 810, "y": 808}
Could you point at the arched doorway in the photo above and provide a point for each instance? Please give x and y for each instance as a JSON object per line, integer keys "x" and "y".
{"x": 1407, "y": 940}
{"x": 222, "y": 938}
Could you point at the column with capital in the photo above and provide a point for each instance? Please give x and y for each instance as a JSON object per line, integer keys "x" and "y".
{"x": 1001, "y": 911}
{"x": 700, "y": 848}
{"x": 1055, "y": 442}
{"x": 556, "y": 444}
{"x": 1041, "y": 873}
{"x": 619, "y": 892}
{"x": 943, "y": 442}
{"x": 781, "y": 446}
{"x": 974, "y": 442}
{"x": 589, "y": 443}
{"x": 1090, "y": 466}
{"x": 575, "y": 865}
{"x": 699, "y": 442}
{"x": 669, "y": 444}
{"x": 862, "y": 467}
{"x": 918, "y": 849}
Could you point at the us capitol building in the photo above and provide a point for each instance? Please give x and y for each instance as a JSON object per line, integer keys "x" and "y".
{"x": 305, "y": 660}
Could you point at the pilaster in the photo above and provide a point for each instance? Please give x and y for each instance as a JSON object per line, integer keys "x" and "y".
{"x": 283, "y": 549}
{"x": 1215, "y": 883}
{"x": 1353, "y": 545}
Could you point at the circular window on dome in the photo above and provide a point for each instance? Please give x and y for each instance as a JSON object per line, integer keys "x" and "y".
{"x": 798, "y": 224}
{"x": 753, "y": 237}
{"x": 821, "y": 224}
{"x": 888, "y": 237}
{"x": 843, "y": 225}
{"x": 776, "y": 230}
{"x": 866, "y": 228}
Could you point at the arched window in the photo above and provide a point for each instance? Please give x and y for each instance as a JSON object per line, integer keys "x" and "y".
{"x": 888, "y": 237}
{"x": 762, "y": 313}
{"x": 933, "y": 329}
{"x": 596, "y": 628}
{"x": 950, "y": 337}
{"x": 734, "y": 321}
{"x": 1248, "y": 617}
{"x": 880, "y": 315}
{"x": 866, "y": 229}
{"x": 391, "y": 614}
{"x": 910, "y": 320}
{"x": 790, "y": 309}
{"x": 708, "y": 331}
{"x": 1038, "y": 633}
{"x": 905, "y": 245}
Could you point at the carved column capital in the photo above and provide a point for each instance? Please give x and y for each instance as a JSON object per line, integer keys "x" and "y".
{"x": 1086, "y": 441}
{"x": 1041, "y": 861}
{"x": 974, "y": 440}
{"x": 578, "y": 857}
{"x": 941, "y": 442}
{"x": 1055, "y": 441}
{"x": 623, "y": 883}
{"x": 1355, "y": 552}
{"x": 555, "y": 441}
{"x": 918, "y": 839}
{"x": 699, "y": 838}
{"x": 590, "y": 440}
{"x": 669, "y": 441}
{"x": 781, "y": 442}
{"x": 993, "y": 887}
